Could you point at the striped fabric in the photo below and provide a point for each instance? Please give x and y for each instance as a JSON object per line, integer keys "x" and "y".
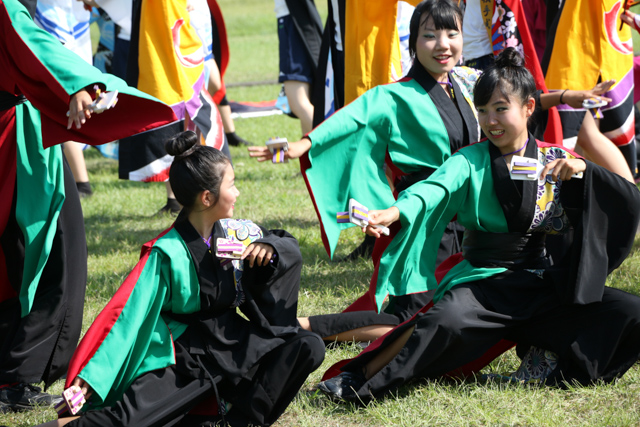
{"x": 585, "y": 45}
{"x": 68, "y": 22}
{"x": 169, "y": 66}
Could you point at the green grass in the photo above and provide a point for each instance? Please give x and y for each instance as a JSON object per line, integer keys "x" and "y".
{"x": 119, "y": 219}
{"x": 634, "y": 34}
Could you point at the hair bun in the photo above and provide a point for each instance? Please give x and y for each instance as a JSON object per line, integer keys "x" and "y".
{"x": 509, "y": 57}
{"x": 182, "y": 144}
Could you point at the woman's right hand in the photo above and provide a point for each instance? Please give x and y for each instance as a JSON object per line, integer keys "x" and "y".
{"x": 79, "y": 109}
{"x": 563, "y": 169}
{"x": 296, "y": 150}
{"x": 84, "y": 386}
{"x": 384, "y": 217}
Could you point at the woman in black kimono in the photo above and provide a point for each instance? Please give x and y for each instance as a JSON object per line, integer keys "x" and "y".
{"x": 506, "y": 287}
{"x": 172, "y": 337}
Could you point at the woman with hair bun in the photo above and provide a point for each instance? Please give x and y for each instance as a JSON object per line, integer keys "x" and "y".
{"x": 509, "y": 191}
{"x": 171, "y": 347}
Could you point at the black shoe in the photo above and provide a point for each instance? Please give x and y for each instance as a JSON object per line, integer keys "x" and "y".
{"x": 22, "y": 397}
{"x": 235, "y": 140}
{"x": 342, "y": 387}
{"x": 364, "y": 250}
{"x": 84, "y": 189}
{"x": 172, "y": 208}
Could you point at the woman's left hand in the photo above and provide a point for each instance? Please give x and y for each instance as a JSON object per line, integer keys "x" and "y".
{"x": 564, "y": 169}
{"x": 79, "y": 111}
{"x": 258, "y": 253}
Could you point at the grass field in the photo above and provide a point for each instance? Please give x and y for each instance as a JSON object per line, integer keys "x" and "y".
{"x": 119, "y": 218}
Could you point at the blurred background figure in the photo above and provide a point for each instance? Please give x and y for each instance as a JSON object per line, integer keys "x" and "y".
{"x": 300, "y": 37}
{"x": 209, "y": 24}
{"x": 573, "y": 61}
{"x": 165, "y": 59}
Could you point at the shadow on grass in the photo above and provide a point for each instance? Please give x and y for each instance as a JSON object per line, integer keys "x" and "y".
{"x": 316, "y": 399}
{"x": 315, "y": 255}
{"x": 335, "y": 279}
{"x": 100, "y": 219}
{"x": 261, "y": 175}
{"x": 289, "y": 222}
{"x": 104, "y": 285}
{"x": 106, "y": 234}
{"x": 123, "y": 184}
{"x": 636, "y": 246}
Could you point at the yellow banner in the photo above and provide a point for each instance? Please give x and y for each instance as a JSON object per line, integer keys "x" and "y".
{"x": 171, "y": 57}
{"x": 589, "y": 45}
{"x": 372, "y": 47}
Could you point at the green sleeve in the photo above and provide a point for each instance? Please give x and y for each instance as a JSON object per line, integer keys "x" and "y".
{"x": 462, "y": 186}
{"x": 347, "y": 158}
{"x": 36, "y": 65}
{"x": 138, "y": 327}
{"x": 427, "y": 200}
{"x": 408, "y": 264}
{"x": 141, "y": 340}
{"x": 70, "y": 71}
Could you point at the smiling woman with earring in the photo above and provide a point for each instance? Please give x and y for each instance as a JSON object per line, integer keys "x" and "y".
{"x": 406, "y": 130}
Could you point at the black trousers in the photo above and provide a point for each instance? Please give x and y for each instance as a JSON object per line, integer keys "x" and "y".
{"x": 38, "y": 347}
{"x": 598, "y": 341}
{"x": 399, "y": 309}
{"x": 164, "y": 397}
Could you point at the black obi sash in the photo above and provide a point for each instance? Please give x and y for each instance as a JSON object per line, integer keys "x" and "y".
{"x": 514, "y": 250}
{"x": 217, "y": 290}
{"x": 9, "y": 100}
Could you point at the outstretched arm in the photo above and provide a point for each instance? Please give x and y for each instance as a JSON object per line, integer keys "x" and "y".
{"x": 296, "y": 150}
{"x": 574, "y": 98}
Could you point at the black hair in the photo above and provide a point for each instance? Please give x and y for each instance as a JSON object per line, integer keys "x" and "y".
{"x": 508, "y": 75}
{"x": 195, "y": 168}
{"x": 446, "y": 15}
